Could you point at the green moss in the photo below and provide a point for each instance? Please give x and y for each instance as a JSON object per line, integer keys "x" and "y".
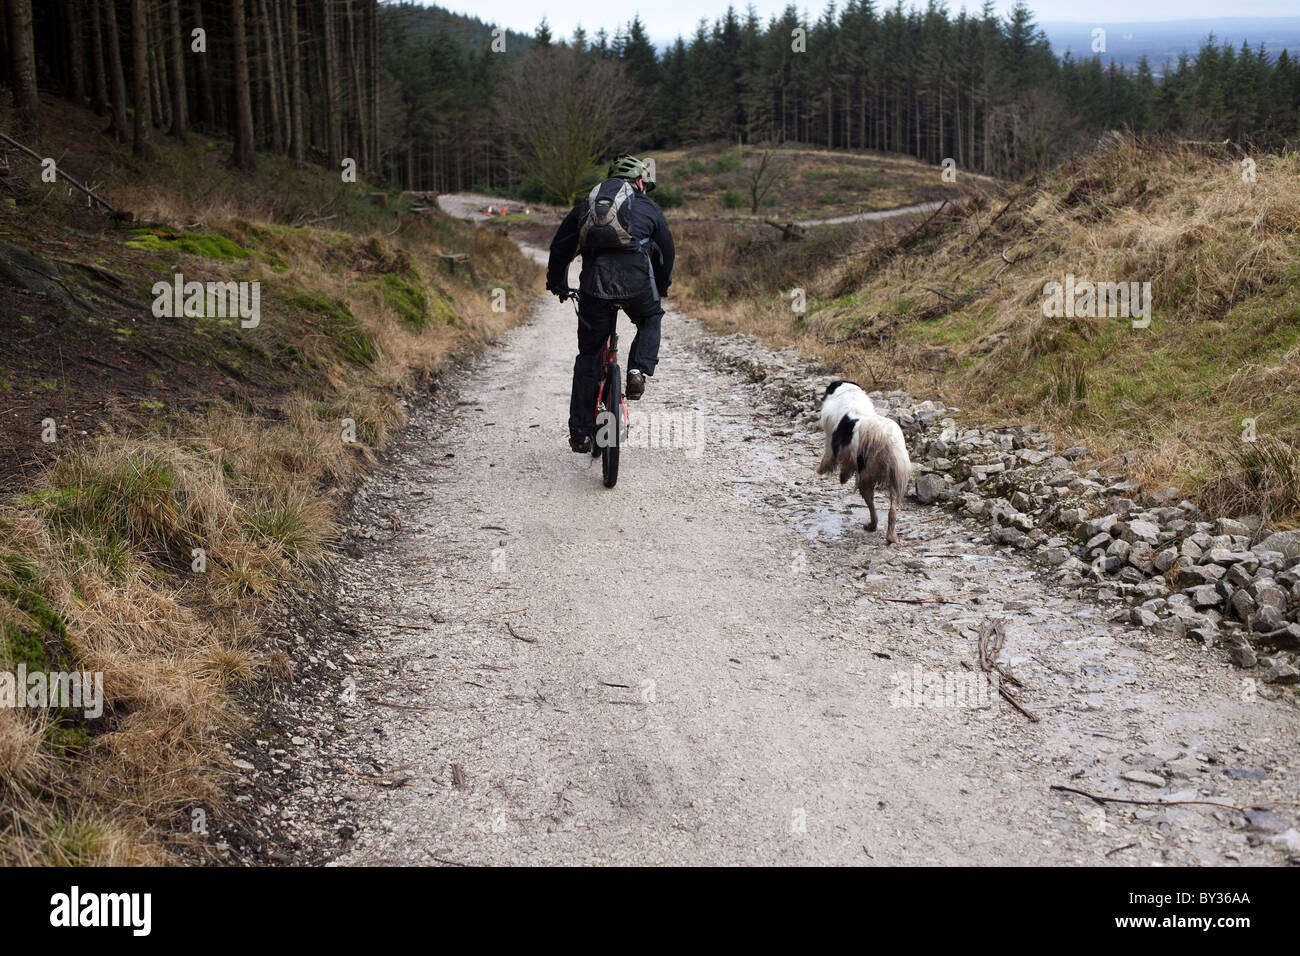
{"x": 42, "y": 385}
{"x": 196, "y": 244}
{"x": 69, "y": 738}
{"x": 36, "y": 636}
{"x": 336, "y": 320}
{"x": 444, "y": 311}
{"x": 408, "y": 298}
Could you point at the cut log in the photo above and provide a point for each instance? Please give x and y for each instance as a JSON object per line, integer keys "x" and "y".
{"x": 790, "y": 232}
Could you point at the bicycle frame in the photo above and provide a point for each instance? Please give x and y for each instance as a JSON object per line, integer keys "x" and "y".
{"x": 608, "y": 357}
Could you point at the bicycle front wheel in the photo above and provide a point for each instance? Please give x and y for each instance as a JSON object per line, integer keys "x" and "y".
{"x": 613, "y": 431}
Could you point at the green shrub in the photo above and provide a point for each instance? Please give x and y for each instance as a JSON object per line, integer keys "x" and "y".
{"x": 726, "y": 163}
{"x": 669, "y": 197}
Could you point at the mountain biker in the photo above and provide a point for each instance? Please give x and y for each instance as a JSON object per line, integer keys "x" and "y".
{"x": 627, "y": 263}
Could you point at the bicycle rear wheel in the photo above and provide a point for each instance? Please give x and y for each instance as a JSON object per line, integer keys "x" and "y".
{"x": 613, "y": 430}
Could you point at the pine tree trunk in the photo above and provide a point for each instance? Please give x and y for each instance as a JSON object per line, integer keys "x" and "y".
{"x": 117, "y": 127}
{"x": 140, "y": 73}
{"x": 179, "y": 99}
{"x": 272, "y": 89}
{"x": 242, "y": 157}
{"x": 22, "y": 48}
{"x": 862, "y": 111}
{"x": 295, "y": 82}
{"x": 76, "y": 51}
{"x": 375, "y": 158}
{"x": 99, "y": 79}
{"x": 159, "y": 86}
{"x": 956, "y": 118}
{"x": 206, "y": 111}
{"x": 358, "y": 119}
{"x": 282, "y": 73}
{"x": 333, "y": 108}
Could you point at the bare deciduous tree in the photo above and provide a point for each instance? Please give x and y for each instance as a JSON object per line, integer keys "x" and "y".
{"x": 763, "y": 169}
{"x": 564, "y": 112}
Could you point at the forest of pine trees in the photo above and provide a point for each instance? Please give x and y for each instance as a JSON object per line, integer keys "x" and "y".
{"x": 984, "y": 90}
{"x": 413, "y": 94}
{"x": 296, "y": 77}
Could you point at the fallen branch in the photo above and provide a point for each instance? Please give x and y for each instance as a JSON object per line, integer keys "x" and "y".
{"x": 389, "y": 703}
{"x": 517, "y": 636}
{"x": 40, "y": 159}
{"x": 980, "y": 235}
{"x": 907, "y": 238}
{"x": 988, "y": 661}
{"x": 1002, "y": 689}
{"x": 389, "y": 781}
{"x": 1175, "y": 803}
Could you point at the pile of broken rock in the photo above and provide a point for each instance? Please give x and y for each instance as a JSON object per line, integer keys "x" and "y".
{"x": 1226, "y": 582}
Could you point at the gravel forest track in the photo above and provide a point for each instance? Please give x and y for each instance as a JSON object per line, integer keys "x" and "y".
{"x": 712, "y": 663}
{"x": 474, "y": 206}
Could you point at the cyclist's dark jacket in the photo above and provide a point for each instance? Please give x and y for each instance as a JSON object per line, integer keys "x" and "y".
{"x": 614, "y": 273}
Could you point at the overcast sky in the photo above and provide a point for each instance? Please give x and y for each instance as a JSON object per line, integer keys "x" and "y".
{"x": 665, "y": 19}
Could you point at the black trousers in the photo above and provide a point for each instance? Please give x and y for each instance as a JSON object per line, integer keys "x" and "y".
{"x": 596, "y": 319}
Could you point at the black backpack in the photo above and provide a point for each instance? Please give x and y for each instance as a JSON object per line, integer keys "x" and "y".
{"x": 607, "y": 224}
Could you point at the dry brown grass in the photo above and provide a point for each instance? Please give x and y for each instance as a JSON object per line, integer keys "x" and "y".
{"x": 940, "y": 311}
{"x": 97, "y": 570}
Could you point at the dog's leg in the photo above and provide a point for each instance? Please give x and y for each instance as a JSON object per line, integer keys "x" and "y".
{"x": 828, "y": 458}
{"x": 868, "y": 489}
{"x": 895, "y": 502}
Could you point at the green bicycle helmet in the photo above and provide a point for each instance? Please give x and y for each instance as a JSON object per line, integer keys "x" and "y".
{"x": 627, "y": 166}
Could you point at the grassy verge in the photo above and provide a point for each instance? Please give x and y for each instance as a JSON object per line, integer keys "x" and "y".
{"x": 196, "y": 465}
{"x": 796, "y": 183}
{"x": 953, "y": 305}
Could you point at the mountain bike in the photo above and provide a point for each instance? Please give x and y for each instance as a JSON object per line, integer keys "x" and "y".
{"x": 611, "y": 407}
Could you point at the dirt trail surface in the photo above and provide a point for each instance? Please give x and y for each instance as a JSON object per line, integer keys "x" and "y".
{"x": 871, "y": 216}
{"x": 713, "y": 663}
{"x": 474, "y": 206}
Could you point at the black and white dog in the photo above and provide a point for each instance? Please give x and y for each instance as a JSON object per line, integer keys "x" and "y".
{"x": 860, "y": 442}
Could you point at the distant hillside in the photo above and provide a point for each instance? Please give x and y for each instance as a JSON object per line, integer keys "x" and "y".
{"x": 1127, "y": 42}
{"x": 412, "y": 21}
